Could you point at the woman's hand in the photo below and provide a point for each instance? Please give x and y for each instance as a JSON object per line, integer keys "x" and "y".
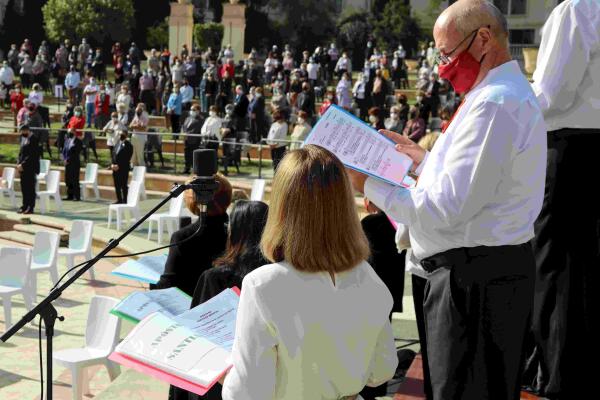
{"x": 406, "y": 146}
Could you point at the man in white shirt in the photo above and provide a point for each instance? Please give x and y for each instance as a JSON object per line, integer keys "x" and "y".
{"x": 187, "y": 95}
{"x": 567, "y": 85}
{"x": 72, "y": 81}
{"x": 471, "y": 215}
{"x": 7, "y": 76}
{"x": 90, "y": 92}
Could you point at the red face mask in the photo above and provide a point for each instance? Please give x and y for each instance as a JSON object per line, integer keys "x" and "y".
{"x": 461, "y": 72}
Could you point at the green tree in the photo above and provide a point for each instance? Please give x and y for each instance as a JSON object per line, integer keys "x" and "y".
{"x": 100, "y": 20}
{"x": 395, "y": 25}
{"x": 208, "y": 35}
{"x": 353, "y": 30}
{"x": 158, "y": 35}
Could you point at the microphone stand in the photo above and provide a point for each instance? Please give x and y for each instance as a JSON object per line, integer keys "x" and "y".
{"x": 203, "y": 187}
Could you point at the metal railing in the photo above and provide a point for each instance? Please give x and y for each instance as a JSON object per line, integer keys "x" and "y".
{"x": 178, "y": 138}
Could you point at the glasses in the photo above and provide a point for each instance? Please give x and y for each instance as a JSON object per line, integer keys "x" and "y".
{"x": 444, "y": 58}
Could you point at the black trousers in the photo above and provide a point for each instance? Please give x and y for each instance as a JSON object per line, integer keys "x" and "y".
{"x": 562, "y": 363}
{"x": 277, "y": 154}
{"x": 120, "y": 179}
{"x": 418, "y": 292}
{"x": 476, "y": 313}
{"x": 28, "y": 189}
{"x": 188, "y": 152}
{"x": 72, "y": 181}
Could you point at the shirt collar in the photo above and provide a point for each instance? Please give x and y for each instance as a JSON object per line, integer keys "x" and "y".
{"x": 509, "y": 67}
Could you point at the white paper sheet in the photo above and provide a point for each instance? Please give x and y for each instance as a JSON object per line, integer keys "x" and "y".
{"x": 359, "y": 146}
{"x": 139, "y": 305}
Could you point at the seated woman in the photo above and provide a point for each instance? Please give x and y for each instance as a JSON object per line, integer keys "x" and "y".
{"x": 188, "y": 260}
{"x": 314, "y": 324}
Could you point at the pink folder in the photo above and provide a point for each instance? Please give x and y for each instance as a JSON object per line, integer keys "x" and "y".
{"x": 165, "y": 376}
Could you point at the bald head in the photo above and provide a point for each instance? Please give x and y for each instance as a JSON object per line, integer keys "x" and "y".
{"x": 465, "y": 16}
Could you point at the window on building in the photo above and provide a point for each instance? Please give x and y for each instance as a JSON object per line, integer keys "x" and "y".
{"x": 521, "y": 36}
{"x": 512, "y": 7}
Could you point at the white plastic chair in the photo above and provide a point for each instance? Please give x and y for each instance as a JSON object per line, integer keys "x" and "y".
{"x": 132, "y": 206}
{"x": 14, "y": 275}
{"x": 80, "y": 244}
{"x": 44, "y": 258}
{"x": 41, "y": 177}
{"x": 139, "y": 175}
{"x": 7, "y": 185}
{"x": 258, "y": 190}
{"x": 101, "y": 338}
{"x": 170, "y": 218}
{"x": 90, "y": 179}
{"x": 52, "y": 190}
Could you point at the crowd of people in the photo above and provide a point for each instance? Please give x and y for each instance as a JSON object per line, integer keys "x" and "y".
{"x": 261, "y": 99}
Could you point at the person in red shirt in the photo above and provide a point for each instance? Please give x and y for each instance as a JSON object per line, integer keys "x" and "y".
{"x": 101, "y": 107}
{"x": 329, "y": 100}
{"x": 77, "y": 122}
{"x": 227, "y": 67}
{"x": 16, "y": 101}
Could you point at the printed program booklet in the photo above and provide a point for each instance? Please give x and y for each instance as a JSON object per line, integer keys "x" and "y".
{"x": 146, "y": 269}
{"x": 139, "y": 305}
{"x": 360, "y": 147}
{"x": 191, "y": 350}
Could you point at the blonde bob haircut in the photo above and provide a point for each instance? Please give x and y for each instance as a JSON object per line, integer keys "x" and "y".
{"x": 313, "y": 222}
{"x": 219, "y": 203}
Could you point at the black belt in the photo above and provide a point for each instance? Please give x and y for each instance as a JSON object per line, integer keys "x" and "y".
{"x": 464, "y": 255}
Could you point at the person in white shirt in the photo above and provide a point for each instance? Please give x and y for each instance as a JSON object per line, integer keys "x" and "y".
{"x": 277, "y": 133}
{"x": 567, "y": 84}
{"x": 313, "y": 71}
{"x": 72, "y": 81}
{"x": 112, "y": 130}
{"x": 90, "y": 92}
{"x": 211, "y": 129}
{"x": 471, "y": 216}
{"x": 36, "y": 96}
{"x": 124, "y": 98}
{"x": 314, "y": 324}
{"x": 187, "y": 95}
{"x": 7, "y": 75}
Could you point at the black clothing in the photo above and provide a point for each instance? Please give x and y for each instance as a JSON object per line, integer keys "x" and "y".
{"x": 187, "y": 261}
{"x": 122, "y": 157}
{"x": 72, "y": 167}
{"x": 194, "y": 126}
{"x": 566, "y": 245}
{"x": 418, "y": 292}
{"x": 29, "y": 159}
{"x": 385, "y": 259}
{"x": 240, "y": 111}
{"x": 306, "y": 103}
{"x": 477, "y": 306}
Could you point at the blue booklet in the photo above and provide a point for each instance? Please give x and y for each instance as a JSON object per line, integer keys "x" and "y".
{"x": 139, "y": 305}
{"x": 146, "y": 269}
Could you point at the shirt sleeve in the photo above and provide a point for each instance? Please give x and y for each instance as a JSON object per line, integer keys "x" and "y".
{"x": 469, "y": 176}
{"x": 562, "y": 60}
{"x": 254, "y": 352}
{"x": 385, "y": 358}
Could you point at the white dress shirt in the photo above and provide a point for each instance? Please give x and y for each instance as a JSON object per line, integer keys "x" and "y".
{"x": 313, "y": 71}
{"x": 483, "y": 182}
{"x": 187, "y": 93}
{"x": 299, "y": 336}
{"x": 567, "y": 77}
{"x": 278, "y": 131}
{"x": 36, "y": 98}
{"x": 7, "y": 75}
{"x": 212, "y": 127}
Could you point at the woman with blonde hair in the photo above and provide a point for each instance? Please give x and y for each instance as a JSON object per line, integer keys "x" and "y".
{"x": 314, "y": 324}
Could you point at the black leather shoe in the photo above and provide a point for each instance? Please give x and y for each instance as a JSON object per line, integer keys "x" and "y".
{"x": 28, "y": 211}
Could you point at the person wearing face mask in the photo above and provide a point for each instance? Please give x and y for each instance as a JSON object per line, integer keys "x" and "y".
{"x": 90, "y": 92}
{"x": 62, "y": 133}
{"x": 394, "y": 123}
{"x": 423, "y": 106}
{"x": 301, "y": 130}
{"x": 72, "y": 152}
{"x": 17, "y": 99}
{"x": 124, "y": 99}
{"x": 277, "y": 133}
{"x": 192, "y": 125}
{"x": 112, "y": 130}
{"x": 329, "y": 100}
{"x": 138, "y": 125}
{"x": 306, "y": 101}
{"x": 28, "y": 166}
{"x": 343, "y": 91}
{"x": 211, "y": 129}
{"x": 415, "y": 126}
{"x": 134, "y": 83}
{"x": 471, "y": 216}
{"x": 376, "y": 118}
{"x": 187, "y": 95}
{"x": 380, "y": 90}
{"x": 174, "y": 110}
{"x": 240, "y": 109}
{"x": 432, "y": 94}
{"x": 146, "y": 84}
{"x": 120, "y": 164}
{"x": 256, "y": 111}
{"x": 177, "y": 71}
{"x": 359, "y": 92}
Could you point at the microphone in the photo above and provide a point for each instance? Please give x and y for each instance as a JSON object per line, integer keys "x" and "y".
{"x": 204, "y": 184}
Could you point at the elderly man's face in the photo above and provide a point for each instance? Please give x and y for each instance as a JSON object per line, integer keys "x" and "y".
{"x": 447, "y": 37}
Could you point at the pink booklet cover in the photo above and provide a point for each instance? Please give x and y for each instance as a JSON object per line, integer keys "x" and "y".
{"x": 165, "y": 376}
